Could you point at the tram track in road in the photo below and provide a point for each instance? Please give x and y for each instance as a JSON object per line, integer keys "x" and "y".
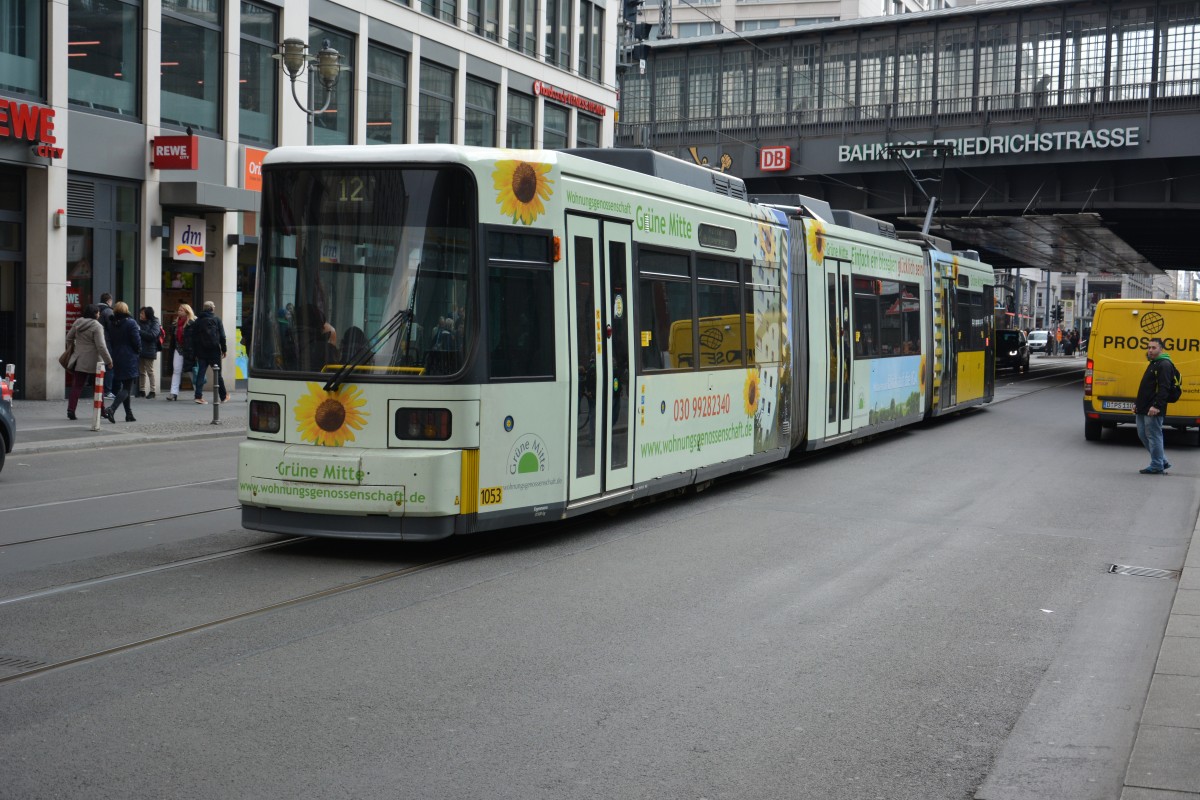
{"x": 37, "y": 669}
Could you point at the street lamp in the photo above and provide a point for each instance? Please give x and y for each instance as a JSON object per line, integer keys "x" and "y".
{"x": 293, "y": 55}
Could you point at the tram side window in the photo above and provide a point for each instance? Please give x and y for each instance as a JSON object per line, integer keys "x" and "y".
{"x": 867, "y": 329}
{"x": 764, "y": 310}
{"x": 718, "y": 301}
{"x": 665, "y": 330}
{"x": 520, "y": 326}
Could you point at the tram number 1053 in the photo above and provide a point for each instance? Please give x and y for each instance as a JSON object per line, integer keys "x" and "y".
{"x": 491, "y": 496}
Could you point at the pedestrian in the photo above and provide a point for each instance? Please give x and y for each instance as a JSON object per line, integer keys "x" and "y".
{"x": 183, "y": 318}
{"x": 86, "y": 342}
{"x": 208, "y": 347}
{"x": 1151, "y": 405}
{"x": 150, "y": 329}
{"x": 106, "y": 315}
{"x": 125, "y": 343}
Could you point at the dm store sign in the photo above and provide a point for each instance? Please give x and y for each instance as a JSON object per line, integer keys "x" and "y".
{"x": 187, "y": 239}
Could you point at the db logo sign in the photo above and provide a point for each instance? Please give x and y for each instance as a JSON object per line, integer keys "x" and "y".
{"x": 774, "y": 159}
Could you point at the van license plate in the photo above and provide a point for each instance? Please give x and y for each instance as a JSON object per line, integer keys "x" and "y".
{"x": 1117, "y": 405}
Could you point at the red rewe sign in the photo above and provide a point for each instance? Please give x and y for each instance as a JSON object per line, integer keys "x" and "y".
{"x": 33, "y": 123}
{"x": 175, "y": 152}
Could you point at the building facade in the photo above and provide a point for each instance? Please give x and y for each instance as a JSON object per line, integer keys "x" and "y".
{"x": 132, "y": 132}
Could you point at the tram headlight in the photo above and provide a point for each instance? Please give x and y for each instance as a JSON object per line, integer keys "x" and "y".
{"x": 264, "y": 416}
{"x": 424, "y": 424}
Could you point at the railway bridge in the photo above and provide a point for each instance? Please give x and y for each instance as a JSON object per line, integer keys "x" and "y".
{"x": 1056, "y": 134}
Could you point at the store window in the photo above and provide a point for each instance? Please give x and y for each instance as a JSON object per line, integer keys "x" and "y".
{"x": 436, "y": 121}
{"x": 481, "y": 113}
{"x": 104, "y": 56}
{"x": 21, "y": 25}
{"x": 333, "y": 125}
{"x": 191, "y": 64}
{"x": 258, "y": 80}
{"x": 520, "y": 120}
{"x": 102, "y": 241}
{"x": 556, "y": 130}
{"x": 587, "y": 131}
{"x": 387, "y": 95}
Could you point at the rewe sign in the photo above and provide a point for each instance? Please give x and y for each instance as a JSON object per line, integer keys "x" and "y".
{"x": 175, "y": 152}
{"x": 33, "y": 123}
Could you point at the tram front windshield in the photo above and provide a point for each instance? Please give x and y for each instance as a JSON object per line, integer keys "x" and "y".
{"x": 365, "y": 266}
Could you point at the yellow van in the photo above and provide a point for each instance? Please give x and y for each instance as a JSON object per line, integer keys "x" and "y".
{"x": 1116, "y": 360}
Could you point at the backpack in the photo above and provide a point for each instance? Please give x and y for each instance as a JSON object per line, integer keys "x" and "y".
{"x": 206, "y": 338}
{"x": 1175, "y": 387}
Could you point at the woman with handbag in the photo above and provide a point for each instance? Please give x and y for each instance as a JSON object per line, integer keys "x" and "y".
{"x": 151, "y": 332}
{"x": 85, "y": 348}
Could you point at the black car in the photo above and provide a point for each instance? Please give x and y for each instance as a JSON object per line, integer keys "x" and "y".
{"x": 8, "y": 423}
{"x": 1012, "y": 351}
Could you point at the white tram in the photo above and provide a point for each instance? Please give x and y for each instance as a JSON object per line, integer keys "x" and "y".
{"x": 450, "y": 339}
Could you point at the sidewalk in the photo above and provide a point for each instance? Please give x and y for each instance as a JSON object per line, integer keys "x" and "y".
{"x": 42, "y": 425}
{"x": 1165, "y": 763}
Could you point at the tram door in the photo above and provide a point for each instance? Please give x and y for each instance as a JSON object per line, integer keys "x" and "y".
{"x": 838, "y": 344}
{"x": 599, "y": 258}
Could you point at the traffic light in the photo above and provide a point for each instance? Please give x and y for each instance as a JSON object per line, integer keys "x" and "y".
{"x": 1054, "y": 313}
{"x": 1058, "y": 313}
{"x": 630, "y": 9}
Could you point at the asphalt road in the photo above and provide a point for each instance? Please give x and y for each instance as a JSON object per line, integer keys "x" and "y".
{"x": 923, "y": 616}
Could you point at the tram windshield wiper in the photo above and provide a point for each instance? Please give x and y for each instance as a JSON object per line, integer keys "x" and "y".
{"x": 385, "y": 332}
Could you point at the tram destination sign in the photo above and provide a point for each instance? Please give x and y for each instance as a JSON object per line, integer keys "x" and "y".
{"x": 1012, "y": 144}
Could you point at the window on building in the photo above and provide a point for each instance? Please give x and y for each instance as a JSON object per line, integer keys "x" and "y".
{"x": 998, "y": 63}
{"x": 21, "y": 25}
{"x": 748, "y": 25}
{"x": 737, "y": 88}
{"x": 480, "y": 113}
{"x": 558, "y": 33}
{"x": 1041, "y": 46}
{"x": 522, "y": 26}
{"x": 520, "y": 120}
{"x": 688, "y": 29}
{"x": 191, "y": 64}
{"x": 258, "y": 74}
{"x": 332, "y": 126}
{"x": 1083, "y": 64}
{"x": 104, "y": 56}
{"x": 914, "y": 79}
{"x": 1132, "y": 57}
{"x": 587, "y": 130}
{"x": 669, "y": 107}
{"x": 591, "y": 41}
{"x": 435, "y": 124}
{"x": 484, "y": 18}
{"x": 387, "y": 95}
{"x": 956, "y": 69}
{"x": 702, "y": 88}
{"x": 445, "y": 10}
{"x": 1179, "y": 61}
{"x": 555, "y": 126}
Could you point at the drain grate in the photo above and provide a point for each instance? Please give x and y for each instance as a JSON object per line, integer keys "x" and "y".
{"x": 18, "y": 663}
{"x": 1142, "y": 572}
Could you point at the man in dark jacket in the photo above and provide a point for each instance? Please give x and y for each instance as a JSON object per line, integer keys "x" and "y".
{"x": 1151, "y": 405}
{"x": 207, "y": 335}
{"x": 106, "y": 315}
